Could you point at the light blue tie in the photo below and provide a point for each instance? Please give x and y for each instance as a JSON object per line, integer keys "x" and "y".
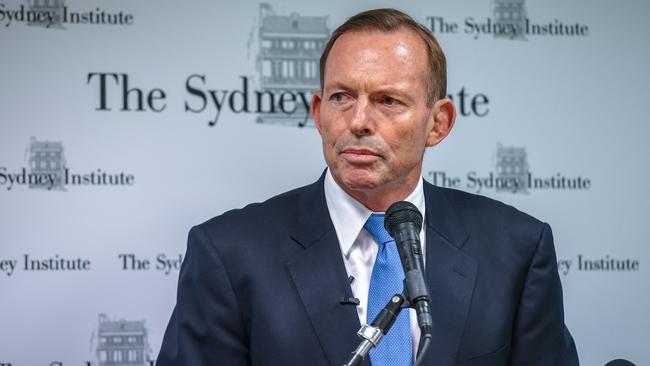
{"x": 396, "y": 348}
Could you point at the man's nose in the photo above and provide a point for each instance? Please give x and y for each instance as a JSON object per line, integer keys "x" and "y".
{"x": 361, "y": 123}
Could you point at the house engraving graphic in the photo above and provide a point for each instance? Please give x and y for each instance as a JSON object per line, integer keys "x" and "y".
{"x": 512, "y": 165}
{"x": 121, "y": 342}
{"x": 54, "y": 7}
{"x": 508, "y": 14}
{"x": 46, "y": 158}
{"x": 290, "y": 47}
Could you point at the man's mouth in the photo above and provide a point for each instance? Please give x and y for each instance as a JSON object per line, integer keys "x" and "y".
{"x": 359, "y": 155}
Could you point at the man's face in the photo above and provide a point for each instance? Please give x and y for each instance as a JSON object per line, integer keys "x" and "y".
{"x": 372, "y": 114}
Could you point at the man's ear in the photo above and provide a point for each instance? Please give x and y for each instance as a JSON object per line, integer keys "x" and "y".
{"x": 442, "y": 118}
{"x": 315, "y": 108}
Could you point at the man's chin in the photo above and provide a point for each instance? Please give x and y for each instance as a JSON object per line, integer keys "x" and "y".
{"x": 360, "y": 182}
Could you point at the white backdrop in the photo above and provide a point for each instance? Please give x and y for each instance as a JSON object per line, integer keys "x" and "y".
{"x": 568, "y": 111}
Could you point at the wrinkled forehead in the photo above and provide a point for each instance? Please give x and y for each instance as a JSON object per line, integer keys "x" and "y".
{"x": 400, "y": 54}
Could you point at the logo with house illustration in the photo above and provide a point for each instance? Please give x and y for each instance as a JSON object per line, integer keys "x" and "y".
{"x": 121, "y": 342}
{"x": 288, "y": 59}
{"x": 511, "y": 166}
{"x": 46, "y": 158}
{"x": 53, "y": 7}
{"x": 510, "y": 14}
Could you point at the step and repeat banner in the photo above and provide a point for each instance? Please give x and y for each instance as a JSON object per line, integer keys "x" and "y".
{"x": 124, "y": 123}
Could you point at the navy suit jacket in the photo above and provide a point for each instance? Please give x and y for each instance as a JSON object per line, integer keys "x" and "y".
{"x": 261, "y": 286}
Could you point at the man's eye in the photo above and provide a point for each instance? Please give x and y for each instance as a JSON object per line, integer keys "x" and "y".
{"x": 337, "y": 97}
{"x": 389, "y": 100}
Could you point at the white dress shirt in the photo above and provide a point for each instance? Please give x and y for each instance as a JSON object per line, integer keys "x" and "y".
{"x": 358, "y": 247}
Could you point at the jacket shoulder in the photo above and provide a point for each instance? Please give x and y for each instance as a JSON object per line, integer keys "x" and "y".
{"x": 257, "y": 225}
{"x": 493, "y": 226}
{"x": 476, "y": 206}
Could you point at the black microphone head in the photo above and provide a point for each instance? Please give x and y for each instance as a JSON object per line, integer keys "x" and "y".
{"x": 402, "y": 212}
{"x": 619, "y": 362}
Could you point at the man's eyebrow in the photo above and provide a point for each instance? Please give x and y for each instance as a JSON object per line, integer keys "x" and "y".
{"x": 388, "y": 89}
{"x": 393, "y": 90}
{"x": 337, "y": 85}
{"x": 401, "y": 93}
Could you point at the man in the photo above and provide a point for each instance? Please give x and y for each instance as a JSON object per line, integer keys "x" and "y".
{"x": 273, "y": 283}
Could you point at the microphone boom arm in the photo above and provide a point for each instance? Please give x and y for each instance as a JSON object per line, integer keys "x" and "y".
{"x": 373, "y": 333}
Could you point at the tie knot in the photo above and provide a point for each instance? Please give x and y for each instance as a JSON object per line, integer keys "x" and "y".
{"x": 375, "y": 226}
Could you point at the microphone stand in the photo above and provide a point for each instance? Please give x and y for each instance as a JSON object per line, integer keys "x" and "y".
{"x": 403, "y": 222}
{"x": 426, "y": 336}
{"x": 372, "y": 334}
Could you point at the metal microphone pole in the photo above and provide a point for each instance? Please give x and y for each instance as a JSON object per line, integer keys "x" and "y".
{"x": 373, "y": 333}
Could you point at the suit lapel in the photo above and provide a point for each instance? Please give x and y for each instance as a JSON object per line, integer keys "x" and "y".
{"x": 320, "y": 278}
{"x": 319, "y": 275}
{"x": 450, "y": 273}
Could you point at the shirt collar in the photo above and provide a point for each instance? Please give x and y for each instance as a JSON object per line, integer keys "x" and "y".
{"x": 349, "y": 215}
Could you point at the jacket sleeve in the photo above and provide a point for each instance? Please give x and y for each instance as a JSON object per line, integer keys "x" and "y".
{"x": 206, "y": 327}
{"x": 540, "y": 335}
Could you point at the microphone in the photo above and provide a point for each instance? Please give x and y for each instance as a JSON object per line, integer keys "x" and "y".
{"x": 349, "y": 301}
{"x": 373, "y": 333}
{"x": 619, "y": 362}
{"x": 403, "y": 222}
